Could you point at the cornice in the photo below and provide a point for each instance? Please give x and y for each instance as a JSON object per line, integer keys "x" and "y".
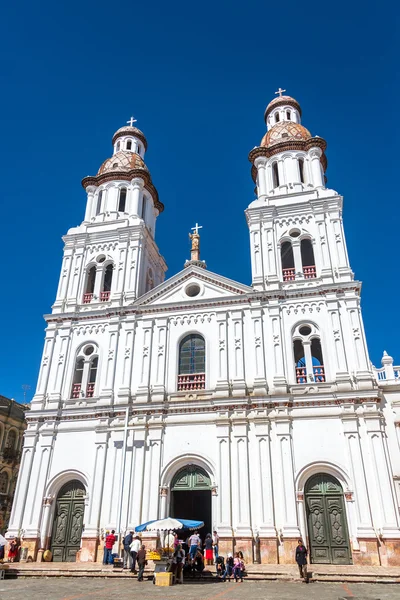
{"x": 244, "y": 299}
{"x": 126, "y": 176}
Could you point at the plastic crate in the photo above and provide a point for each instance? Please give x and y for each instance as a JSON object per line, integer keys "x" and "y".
{"x": 163, "y": 579}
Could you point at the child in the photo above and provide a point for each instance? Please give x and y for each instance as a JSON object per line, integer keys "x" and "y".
{"x": 238, "y": 568}
{"x": 220, "y": 566}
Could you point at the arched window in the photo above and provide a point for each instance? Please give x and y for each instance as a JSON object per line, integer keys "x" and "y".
{"x": 92, "y": 377}
{"x": 11, "y": 440}
{"x": 90, "y": 281}
{"x": 129, "y": 145}
{"x": 144, "y": 208}
{"x": 107, "y": 281}
{"x": 192, "y": 358}
{"x": 78, "y": 376}
{"x": 122, "y": 200}
{"x": 99, "y": 199}
{"x": 85, "y": 373}
{"x": 275, "y": 175}
{"x": 287, "y": 258}
{"x": 288, "y": 115}
{"x": 301, "y": 170}
{"x": 307, "y": 350}
{"x": 307, "y": 259}
{"x": 3, "y": 482}
{"x": 276, "y": 117}
{"x": 118, "y": 146}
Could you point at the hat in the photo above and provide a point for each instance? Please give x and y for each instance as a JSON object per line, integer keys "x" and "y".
{"x": 229, "y": 554}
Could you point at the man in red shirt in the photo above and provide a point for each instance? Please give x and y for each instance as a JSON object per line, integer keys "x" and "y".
{"x": 108, "y": 546}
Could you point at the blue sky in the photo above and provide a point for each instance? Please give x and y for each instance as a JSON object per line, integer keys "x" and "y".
{"x": 197, "y": 76}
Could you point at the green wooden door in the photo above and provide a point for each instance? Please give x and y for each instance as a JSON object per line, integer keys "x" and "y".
{"x": 68, "y": 522}
{"x": 327, "y": 522}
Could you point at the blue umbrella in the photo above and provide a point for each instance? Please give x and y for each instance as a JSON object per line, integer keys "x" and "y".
{"x": 168, "y": 524}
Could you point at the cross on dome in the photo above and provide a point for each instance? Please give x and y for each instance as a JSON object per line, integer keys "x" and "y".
{"x": 196, "y": 228}
{"x": 132, "y": 121}
{"x": 280, "y": 91}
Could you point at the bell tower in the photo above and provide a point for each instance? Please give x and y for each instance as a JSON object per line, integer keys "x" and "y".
{"x": 296, "y": 228}
{"x": 111, "y": 258}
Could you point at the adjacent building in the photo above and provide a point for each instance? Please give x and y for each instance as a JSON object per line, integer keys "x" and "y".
{"x": 253, "y": 407}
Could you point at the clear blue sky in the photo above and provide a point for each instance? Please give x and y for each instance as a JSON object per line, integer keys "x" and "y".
{"x": 197, "y": 76}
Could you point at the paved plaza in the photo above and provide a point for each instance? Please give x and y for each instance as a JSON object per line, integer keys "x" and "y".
{"x": 98, "y": 589}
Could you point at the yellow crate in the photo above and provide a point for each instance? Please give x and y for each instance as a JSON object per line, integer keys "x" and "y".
{"x": 163, "y": 579}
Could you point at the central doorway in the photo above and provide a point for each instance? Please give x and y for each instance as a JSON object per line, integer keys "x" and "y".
{"x": 191, "y": 496}
{"x": 327, "y": 522}
{"x": 68, "y": 522}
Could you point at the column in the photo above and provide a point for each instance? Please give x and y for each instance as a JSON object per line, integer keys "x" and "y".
{"x": 136, "y": 196}
{"x": 260, "y": 164}
{"x": 152, "y": 472}
{"x": 224, "y": 513}
{"x": 279, "y": 379}
{"x": 269, "y": 252}
{"x": 163, "y": 502}
{"x": 298, "y": 264}
{"x": 222, "y": 385}
{"x": 137, "y": 476}
{"x": 76, "y": 276}
{"x": 92, "y": 526}
{"x": 121, "y": 267}
{"x": 256, "y": 255}
{"x": 90, "y": 190}
{"x": 47, "y": 358}
{"x": 237, "y": 354}
{"x": 65, "y": 275}
{"x": 260, "y": 382}
{"x": 315, "y": 154}
{"x": 109, "y": 361}
{"x": 364, "y": 526}
{"x": 142, "y": 393}
{"x": 241, "y": 485}
{"x": 381, "y": 474}
{"x": 131, "y": 270}
{"x": 342, "y": 372}
{"x": 125, "y": 357}
{"x": 58, "y": 367}
{"x": 159, "y": 352}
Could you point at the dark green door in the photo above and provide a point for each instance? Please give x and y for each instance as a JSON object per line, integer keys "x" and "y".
{"x": 191, "y": 496}
{"x": 327, "y": 523}
{"x": 68, "y": 522}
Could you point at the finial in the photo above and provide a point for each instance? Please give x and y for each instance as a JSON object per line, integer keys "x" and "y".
{"x": 195, "y": 237}
{"x": 280, "y": 91}
{"x": 132, "y": 121}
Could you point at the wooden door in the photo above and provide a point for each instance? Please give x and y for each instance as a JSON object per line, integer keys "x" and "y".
{"x": 68, "y": 522}
{"x": 327, "y": 522}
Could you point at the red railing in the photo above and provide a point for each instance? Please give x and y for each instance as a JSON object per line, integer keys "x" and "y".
{"x": 195, "y": 381}
{"x": 87, "y": 298}
{"x": 90, "y": 390}
{"x": 104, "y": 296}
{"x": 309, "y": 272}
{"x": 289, "y": 274}
{"x": 319, "y": 374}
{"x": 301, "y": 375}
{"x": 76, "y": 390}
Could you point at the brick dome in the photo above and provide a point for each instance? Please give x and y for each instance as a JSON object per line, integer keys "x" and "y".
{"x": 122, "y": 161}
{"x": 285, "y": 131}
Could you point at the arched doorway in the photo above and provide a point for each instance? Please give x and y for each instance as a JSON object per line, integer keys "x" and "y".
{"x": 68, "y": 522}
{"x": 327, "y": 522}
{"x": 191, "y": 496}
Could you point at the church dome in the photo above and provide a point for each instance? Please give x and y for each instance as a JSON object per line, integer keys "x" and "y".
{"x": 282, "y": 101}
{"x": 122, "y": 161}
{"x": 285, "y": 131}
{"x": 130, "y": 131}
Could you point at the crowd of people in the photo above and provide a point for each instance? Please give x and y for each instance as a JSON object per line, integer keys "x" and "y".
{"x": 13, "y": 549}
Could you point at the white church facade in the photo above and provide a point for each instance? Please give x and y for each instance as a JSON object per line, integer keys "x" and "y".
{"x": 252, "y": 407}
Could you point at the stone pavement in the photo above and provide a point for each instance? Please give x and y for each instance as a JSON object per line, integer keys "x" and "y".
{"x": 87, "y": 588}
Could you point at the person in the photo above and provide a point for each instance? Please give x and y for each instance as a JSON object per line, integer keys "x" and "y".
{"x": 301, "y": 559}
{"x": 142, "y": 562}
{"x": 208, "y": 545}
{"x": 176, "y": 540}
{"x": 178, "y": 560}
{"x": 194, "y": 543}
{"x": 3, "y": 542}
{"x": 135, "y": 547}
{"x": 220, "y": 566}
{"x": 127, "y": 541}
{"x": 108, "y": 546}
{"x": 238, "y": 568}
{"x": 228, "y": 567}
{"x": 13, "y": 550}
{"x": 198, "y": 563}
{"x": 215, "y": 540}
